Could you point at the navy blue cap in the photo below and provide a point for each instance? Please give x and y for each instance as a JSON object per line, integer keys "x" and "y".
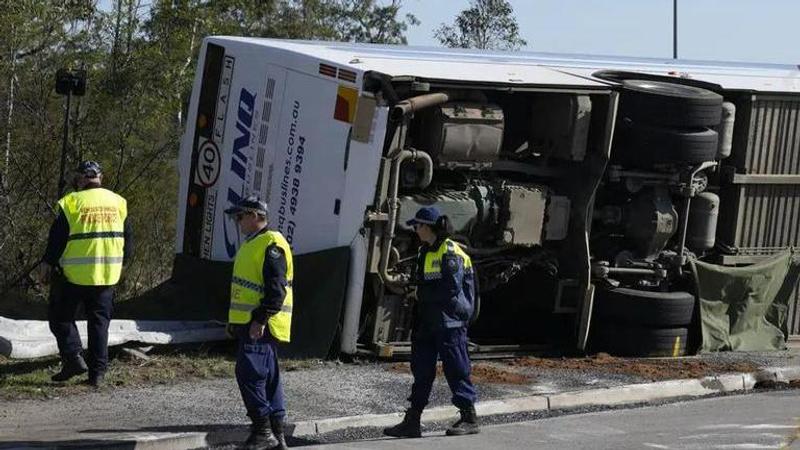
{"x": 427, "y": 215}
{"x": 89, "y": 169}
{"x": 251, "y": 203}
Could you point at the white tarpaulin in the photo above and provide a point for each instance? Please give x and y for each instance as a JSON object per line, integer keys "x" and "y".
{"x": 21, "y": 339}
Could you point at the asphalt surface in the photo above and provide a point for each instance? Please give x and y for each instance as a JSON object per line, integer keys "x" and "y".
{"x": 768, "y": 420}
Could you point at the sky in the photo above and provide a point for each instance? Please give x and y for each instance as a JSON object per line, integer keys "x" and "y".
{"x": 720, "y": 30}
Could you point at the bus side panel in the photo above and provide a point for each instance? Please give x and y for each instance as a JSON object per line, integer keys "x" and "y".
{"x": 194, "y": 190}
{"x": 363, "y": 166}
{"x": 273, "y": 133}
{"x": 307, "y": 172}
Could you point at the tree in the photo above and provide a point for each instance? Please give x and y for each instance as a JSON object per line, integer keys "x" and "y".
{"x": 368, "y": 21}
{"x": 140, "y": 57}
{"x": 34, "y": 39}
{"x": 486, "y": 24}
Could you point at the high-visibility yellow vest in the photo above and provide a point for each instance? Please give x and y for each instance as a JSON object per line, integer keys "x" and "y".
{"x": 432, "y": 270}
{"x": 94, "y": 251}
{"x": 247, "y": 284}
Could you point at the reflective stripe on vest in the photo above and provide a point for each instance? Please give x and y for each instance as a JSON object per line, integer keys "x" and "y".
{"x": 249, "y": 308}
{"x": 92, "y": 260}
{"x": 433, "y": 260}
{"x": 95, "y": 245}
{"x": 247, "y": 284}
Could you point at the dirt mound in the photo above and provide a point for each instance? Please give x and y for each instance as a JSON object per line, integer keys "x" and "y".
{"x": 481, "y": 373}
{"x": 654, "y": 369}
{"x": 492, "y": 374}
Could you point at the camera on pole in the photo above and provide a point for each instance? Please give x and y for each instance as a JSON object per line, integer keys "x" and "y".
{"x": 68, "y": 83}
{"x": 71, "y": 83}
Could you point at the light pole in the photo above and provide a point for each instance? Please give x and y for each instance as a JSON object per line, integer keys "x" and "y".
{"x": 68, "y": 84}
{"x": 674, "y": 29}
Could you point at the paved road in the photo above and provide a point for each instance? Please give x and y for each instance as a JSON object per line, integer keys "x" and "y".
{"x": 758, "y": 421}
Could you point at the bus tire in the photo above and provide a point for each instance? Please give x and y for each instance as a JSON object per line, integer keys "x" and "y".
{"x": 646, "y": 145}
{"x": 630, "y": 341}
{"x": 645, "y": 308}
{"x": 670, "y": 104}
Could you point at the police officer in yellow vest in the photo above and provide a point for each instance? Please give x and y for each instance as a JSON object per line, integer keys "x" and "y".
{"x": 88, "y": 244}
{"x": 445, "y": 304}
{"x": 260, "y": 316}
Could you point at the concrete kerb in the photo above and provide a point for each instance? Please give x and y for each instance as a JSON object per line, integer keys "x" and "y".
{"x": 437, "y": 414}
{"x": 123, "y": 441}
{"x": 634, "y": 393}
{"x": 639, "y": 393}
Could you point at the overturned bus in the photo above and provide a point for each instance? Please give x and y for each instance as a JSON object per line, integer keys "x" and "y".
{"x": 582, "y": 187}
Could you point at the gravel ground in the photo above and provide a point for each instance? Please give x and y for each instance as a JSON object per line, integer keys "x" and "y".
{"x": 325, "y": 390}
{"x": 331, "y": 390}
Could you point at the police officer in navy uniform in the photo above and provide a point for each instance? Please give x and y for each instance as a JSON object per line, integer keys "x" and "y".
{"x": 260, "y": 316}
{"x": 445, "y": 303}
{"x": 89, "y": 243}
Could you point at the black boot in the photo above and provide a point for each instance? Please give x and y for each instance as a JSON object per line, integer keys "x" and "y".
{"x": 71, "y": 366}
{"x": 409, "y": 427}
{"x": 468, "y": 424}
{"x": 261, "y": 437}
{"x": 96, "y": 380}
{"x": 277, "y": 429}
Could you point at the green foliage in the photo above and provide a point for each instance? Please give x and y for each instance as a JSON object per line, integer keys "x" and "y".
{"x": 486, "y": 24}
{"x": 367, "y": 21}
{"x": 140, "y": 58}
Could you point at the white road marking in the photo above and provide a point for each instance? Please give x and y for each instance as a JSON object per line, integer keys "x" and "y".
{"x": 761, "y": 426}
{"x": 744, "y": 446}
{"x": 708, "y": 436}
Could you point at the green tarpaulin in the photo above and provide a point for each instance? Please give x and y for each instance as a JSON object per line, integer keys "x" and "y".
{"x": 745, "y": 308}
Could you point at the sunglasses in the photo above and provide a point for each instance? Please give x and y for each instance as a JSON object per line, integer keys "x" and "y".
{"x": 239, "y": 216}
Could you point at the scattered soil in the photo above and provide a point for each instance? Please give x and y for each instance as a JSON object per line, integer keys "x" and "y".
{"x": 653, "y": 369}
{"x": 481, "y": 373}
{"x": 491, "y": 374}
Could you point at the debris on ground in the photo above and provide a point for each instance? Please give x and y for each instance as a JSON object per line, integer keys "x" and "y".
{"x": 481, "y": 373}
{"x": 136, "y": 353}
{"x": 650, "y": 368}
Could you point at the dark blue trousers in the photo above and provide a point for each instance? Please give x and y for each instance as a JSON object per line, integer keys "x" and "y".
{"x": 451, "y": 345}
{"x": 258, "y": 375}
{"x": 98, "y": 304}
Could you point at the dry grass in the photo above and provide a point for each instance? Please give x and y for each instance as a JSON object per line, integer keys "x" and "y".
{"x": 30, "y": 379}
{"x": 20, "y": 379}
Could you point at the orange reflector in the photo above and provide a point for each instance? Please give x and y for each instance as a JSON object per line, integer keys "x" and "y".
{"x": 202, "y": 121}
{"x": 346, "y": 98}
{"x": 192, "y": 199}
